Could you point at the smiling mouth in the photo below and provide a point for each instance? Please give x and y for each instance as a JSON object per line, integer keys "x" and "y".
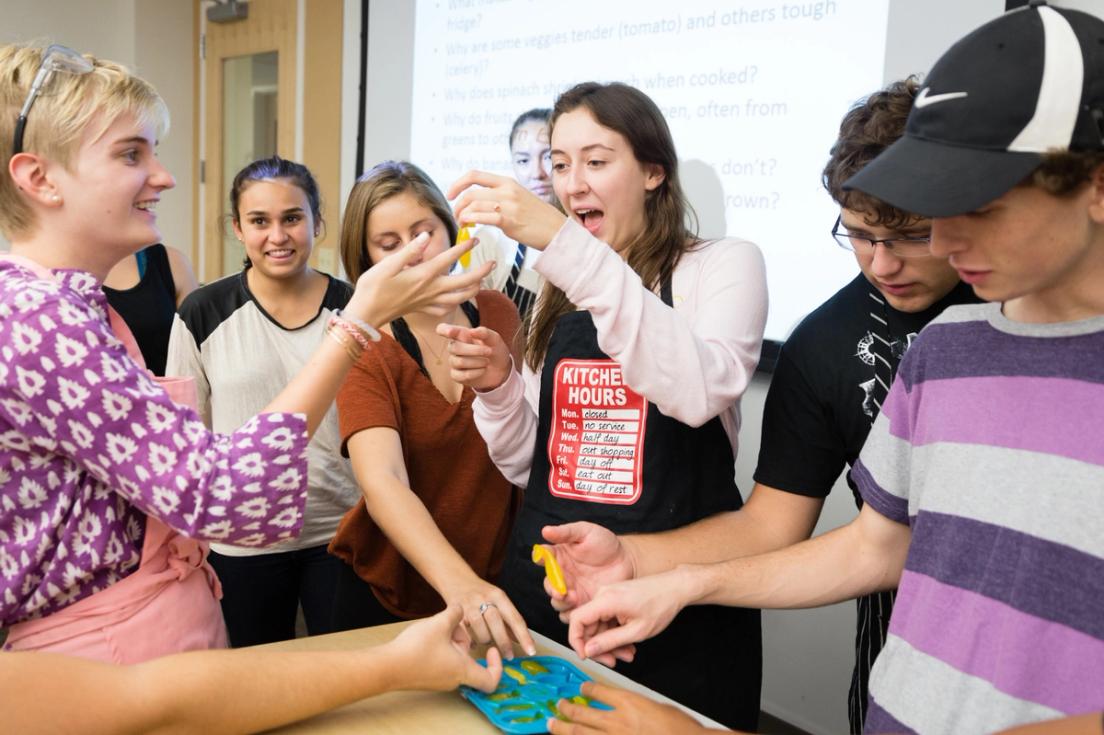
{"x": 280, "y": 254}
{"x": 148, "y": 206}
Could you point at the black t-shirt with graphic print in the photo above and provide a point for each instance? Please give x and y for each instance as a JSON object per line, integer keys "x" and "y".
{"x": 818, "y": 409}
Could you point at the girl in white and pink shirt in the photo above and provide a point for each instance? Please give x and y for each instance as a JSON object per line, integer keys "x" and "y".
{"x": 626, "y": 411}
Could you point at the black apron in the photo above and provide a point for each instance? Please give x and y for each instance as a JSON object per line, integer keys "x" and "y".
{"x": 604, "y": 454}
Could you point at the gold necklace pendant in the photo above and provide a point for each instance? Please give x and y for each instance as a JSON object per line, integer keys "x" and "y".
{"x": 438, "y": 358}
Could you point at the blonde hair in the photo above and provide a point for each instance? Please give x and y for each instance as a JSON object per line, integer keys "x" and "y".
{"x": 67, "y": 108}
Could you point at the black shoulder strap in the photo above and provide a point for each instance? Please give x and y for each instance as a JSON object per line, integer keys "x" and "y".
{"x": 406, "y": 339}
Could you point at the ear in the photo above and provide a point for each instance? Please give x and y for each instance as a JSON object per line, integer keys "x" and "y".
{"x": 1096, "y": 195}
{"x": 29, "y": 172}
{"x": 654, "y": 175}
{"x": 237, "y": 229}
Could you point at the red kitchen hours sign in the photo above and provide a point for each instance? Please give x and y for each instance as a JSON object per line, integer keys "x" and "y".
{"x": 597, "y": 437}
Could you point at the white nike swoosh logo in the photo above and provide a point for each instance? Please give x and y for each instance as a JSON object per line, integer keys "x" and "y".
{"x": 924, "y": 99}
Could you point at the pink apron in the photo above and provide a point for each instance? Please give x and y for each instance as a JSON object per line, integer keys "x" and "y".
{"x": 169, "y": 604}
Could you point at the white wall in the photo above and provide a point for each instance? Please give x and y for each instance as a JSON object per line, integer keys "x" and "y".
{"x": 104, "y": 28}
{"x": 153, "y": 37}
{"x": 164, "y": 53}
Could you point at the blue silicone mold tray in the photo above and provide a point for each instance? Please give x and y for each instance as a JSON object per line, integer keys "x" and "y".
{"x": 527, "y": 694}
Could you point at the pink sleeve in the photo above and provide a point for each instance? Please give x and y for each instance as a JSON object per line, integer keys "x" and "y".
{"x": 693, "y": 361}
{"x": 507, "y": 420}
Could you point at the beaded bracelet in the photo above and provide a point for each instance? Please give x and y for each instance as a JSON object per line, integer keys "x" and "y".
{"x": 337, "y": 323}
{"x": 352, "y": 349}
{"x": 369, "y": 331}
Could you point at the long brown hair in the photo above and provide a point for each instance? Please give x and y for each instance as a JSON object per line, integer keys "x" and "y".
{"x": 655, "y": 251}
{"x": 382, "y": 182}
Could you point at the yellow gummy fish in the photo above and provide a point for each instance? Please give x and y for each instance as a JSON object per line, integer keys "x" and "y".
{"x": 463, "y": 236}
{"x": 543, "y": 555}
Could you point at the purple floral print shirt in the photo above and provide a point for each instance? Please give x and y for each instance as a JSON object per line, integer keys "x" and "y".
{"x": 89, "y": 445}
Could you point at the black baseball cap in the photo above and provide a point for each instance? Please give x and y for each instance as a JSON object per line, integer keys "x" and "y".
{"x": 1028, "y": 82}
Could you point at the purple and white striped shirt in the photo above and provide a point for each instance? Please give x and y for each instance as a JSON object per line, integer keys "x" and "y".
{"x": 991, "y": 447}
{"x": 89, "y": 445}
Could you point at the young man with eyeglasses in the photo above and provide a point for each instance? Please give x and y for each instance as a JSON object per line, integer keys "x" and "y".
{"x": 831, "y": 377}
{"x": 982, "y": 475}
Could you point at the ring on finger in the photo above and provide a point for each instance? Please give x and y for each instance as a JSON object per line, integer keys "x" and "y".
{"x": 485, "y": 606}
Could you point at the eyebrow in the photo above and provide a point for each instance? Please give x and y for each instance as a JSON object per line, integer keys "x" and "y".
{"x": 292, "y": 210}
{"x": 587, "y": 148}
{"x": 905, "y": 231}
{"x": 132, "y": 140}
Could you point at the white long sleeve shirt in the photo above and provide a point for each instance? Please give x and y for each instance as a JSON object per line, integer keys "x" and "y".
{"x": 693, "y": 360}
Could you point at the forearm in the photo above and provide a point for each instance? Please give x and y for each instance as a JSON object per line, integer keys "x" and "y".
{"x": 202, "y": 692}
{"x": 843, "y": 564}
{"x": 403, "y": 517}
{"x": 771, "y": 519}
{"x": 508, "y": 425}
{"x": 278, "y": 687}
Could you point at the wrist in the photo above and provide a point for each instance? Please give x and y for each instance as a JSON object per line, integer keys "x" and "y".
{"x": 363, "y": 308}
{"x": 453, "y": 582}
{"x": 630, "y": 548}
{"x": 357, "y": 328}
{"x": 347, "y": 341}
{"x": 490, "y": 389}
{"x": 692, "y": 583}
{"x": 389, "y": 665}
{"x": 555, "y": 222}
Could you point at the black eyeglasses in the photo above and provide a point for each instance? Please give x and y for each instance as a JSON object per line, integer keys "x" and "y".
{"x": 902, "y": 247}
{"x": 54, "y": 58}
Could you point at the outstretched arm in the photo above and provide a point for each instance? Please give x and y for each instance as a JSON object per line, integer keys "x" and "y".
{"x": 380, "y": 468}
{"x": 867, "y": 554}
{"x": 236, "y": 691}
{"x": 592, "y": 556}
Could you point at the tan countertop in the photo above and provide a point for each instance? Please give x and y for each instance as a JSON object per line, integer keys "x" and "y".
{"x": 405, "y": 713}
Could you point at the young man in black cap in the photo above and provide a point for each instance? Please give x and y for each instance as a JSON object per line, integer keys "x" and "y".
{"x": 982, "y": 475}
{"x": 829, "y": 383}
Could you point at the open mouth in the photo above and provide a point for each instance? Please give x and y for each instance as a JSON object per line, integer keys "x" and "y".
{"x": 280, "y": 254}
{"x": 149, "y": 206}
{"x": 590, "y": 218}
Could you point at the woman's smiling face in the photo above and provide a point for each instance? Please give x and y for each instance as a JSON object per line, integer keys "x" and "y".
{"x": 276, "y": 227}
